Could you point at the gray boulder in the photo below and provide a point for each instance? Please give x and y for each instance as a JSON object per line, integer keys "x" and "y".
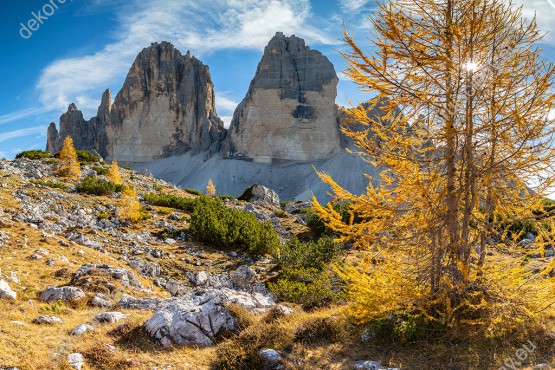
{"x": 197, "y": 321}
{"x": 81, "y": 329}
{"x": 110, "y": 317}
{"x": 66, "y": 294}
{"x": 201, "y": 318}
{"x": 271, "y": 360}
{"x": 47, "y": 320}
{"x": 75, "y": 360}
{"x": 244, "y": 277}
{"x": 6, "y": 292}
{"x": 260, "y": 193}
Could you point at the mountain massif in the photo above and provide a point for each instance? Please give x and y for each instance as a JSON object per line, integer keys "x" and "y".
{"x": 164, "y": 119}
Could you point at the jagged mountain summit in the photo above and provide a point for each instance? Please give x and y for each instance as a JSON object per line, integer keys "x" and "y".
{"x": 289, "y": 112}
{"x": 164, "y": 119}
{"x": 165, "y": 107}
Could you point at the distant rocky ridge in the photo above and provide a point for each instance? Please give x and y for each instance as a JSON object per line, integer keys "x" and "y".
{"x": 164, "y": 119}
{"x": 165, "y": 107}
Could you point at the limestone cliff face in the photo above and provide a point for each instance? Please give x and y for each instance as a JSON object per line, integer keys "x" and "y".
{"x": 289, "y": 112}
{"x": 72, "y": 124}
{"x": 53, "y": 142}
{"x": 165, "y": 107}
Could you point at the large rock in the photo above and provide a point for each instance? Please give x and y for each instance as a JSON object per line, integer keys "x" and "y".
{"x": 110, "y": 317}
{"x": 201, "y": 318}
{"x": 165, "y": 107}
{"x": 271, "y": 359}
{"x": 6, "y": 292}
{"x": 75, "y": 360}
{"x": 260, "y": 193}
{"x": 65, "y": 294}
{"x": 123, "y": 276}
{"x": 289, "y": 112}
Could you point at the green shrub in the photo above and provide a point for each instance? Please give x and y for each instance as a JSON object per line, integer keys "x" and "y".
{"x": 103, "y": 215}
{"x": 34, "y": 154}
{"x": 319, "y": 227}
{"x": 225, "y": 197}
{"x": 101, "y": 170}
{"x": 305, "y": 277}
{"x": 97, "y": 186}
{"x": 215, "y": 223}
{"x": 309, "y": 287}
{"x": 404, "y": 328}
{"x": 86, "y": 157}
{"x": 50, "y": 184}
{"x": 170, "y": 201}
{"x": 193, "y": 191}
{"x": 166, "y": 233}
{"x": 279, "y": 214}
{"x": 318, "y": 255}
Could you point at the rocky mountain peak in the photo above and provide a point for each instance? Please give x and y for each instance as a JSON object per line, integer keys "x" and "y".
{"x": 300, "y": 68}
{"x": 165, "y": 107}
{"x": 289, "y": 112}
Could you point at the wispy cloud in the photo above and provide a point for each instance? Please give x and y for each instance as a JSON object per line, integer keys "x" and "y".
{"x": 544, "y": 11}
{"x": 37, "y": 130}
{"x": 354, "y": 5}
{"x": 24, "y": 113}
{"x": 202, "y": 27}
{"x": 226, "y": 107}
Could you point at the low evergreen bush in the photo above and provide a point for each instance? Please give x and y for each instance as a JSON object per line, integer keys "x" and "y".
{"x": 170, "y": 201}
{"x": 34, "y": 154}
{"x": 215, "y": 223}
{"x": 97, "y": 186}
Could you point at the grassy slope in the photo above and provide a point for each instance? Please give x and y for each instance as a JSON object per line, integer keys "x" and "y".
{"x": 322, "y": 339}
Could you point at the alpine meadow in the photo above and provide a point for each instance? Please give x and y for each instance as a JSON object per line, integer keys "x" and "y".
{"x": 240, "y": 213}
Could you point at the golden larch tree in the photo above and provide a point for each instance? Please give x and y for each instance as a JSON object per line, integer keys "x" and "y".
{"x": 114, "y": 174}
{"x": 69, "y": 165}
{"x": 131, "y": 208}
{"x": 465, "y": 148}
{"x": 210, "y": 188}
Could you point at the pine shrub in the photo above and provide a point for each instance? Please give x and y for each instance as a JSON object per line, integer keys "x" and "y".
{"x": 170, "y": 201}
{"x": 97, "y": 186}
{"x": 215, "y": 223}
{"x": 34, "y": 154}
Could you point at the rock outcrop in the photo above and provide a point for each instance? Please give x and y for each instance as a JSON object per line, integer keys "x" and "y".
{"x": 289, "y": 112}
{"x": 165, "y": 107}
{"x": 201, "y": 318}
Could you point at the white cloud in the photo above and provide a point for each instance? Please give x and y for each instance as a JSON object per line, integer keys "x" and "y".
{"x": 544, "y": 10}
{"x": 354, "y": 4}
{"x": 38, "y": 130}
{"x": 225, "y": 108}
{"x": 24, "y": 113}
{"x": 202, "y": 27}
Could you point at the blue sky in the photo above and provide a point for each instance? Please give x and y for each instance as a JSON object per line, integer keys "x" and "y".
{"x": 85, "y": 47}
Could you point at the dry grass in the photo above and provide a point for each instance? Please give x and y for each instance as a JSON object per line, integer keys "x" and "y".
{"x": 323, "y": 339}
